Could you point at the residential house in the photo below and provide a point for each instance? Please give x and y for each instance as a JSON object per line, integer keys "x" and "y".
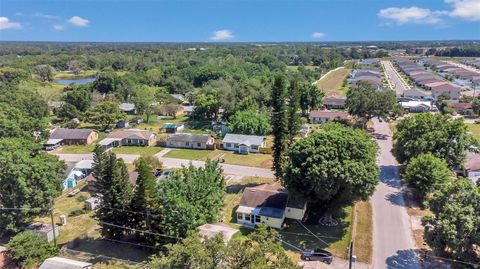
{"x": 64, "y": 263}
{"x": 128, "y": 108}
{"x": 243, "y": 144}
{"x": 268, "y": 204}
{"x": 415, "y": 94}
{"x": 452, "y": 91}
{"x": 416, "y": 106}
{"x": 78, "y": 172}
{"x": 64, "y": 136}
{"x": 461, "y": 108}
{"x": 333, "y": 102}
{"x": 471, "y": 167}
{"x": 191, "y": 141}
{"x": 188, "y": 110}
{"x": 129, "y": 137}
{"x": 171, "y": 128}
{"x": 44, "y": 229}
{"x": 322, "y": 116}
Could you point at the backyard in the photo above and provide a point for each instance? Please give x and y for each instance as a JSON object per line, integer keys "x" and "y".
{"x": 332, "y": 84}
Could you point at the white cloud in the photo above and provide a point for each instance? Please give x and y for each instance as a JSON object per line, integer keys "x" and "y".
{"x": 222, "y": 35}
{"x": 411, "y": 15}
{"x": 46, "y": 16}
{"x": 58, "y": 27}
{"x": 78, "y": 21}
{"x": 5, "y": 23}
{"x": 318, "y": 35}
{"x": 465, "y": 9}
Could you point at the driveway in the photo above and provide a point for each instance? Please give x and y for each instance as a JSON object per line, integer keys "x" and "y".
{"x": 393, "y": 245}
{"x": 229, "y": 169}
{"x": 399, "y": 86}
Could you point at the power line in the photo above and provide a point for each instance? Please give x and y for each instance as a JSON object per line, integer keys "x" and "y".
{"x": 140, "y": 231}
{"x": 22, "y": 208}
{"x": 130, "y": 243}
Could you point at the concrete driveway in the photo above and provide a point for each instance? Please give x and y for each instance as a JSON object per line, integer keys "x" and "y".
{"x": 393, "y": 245}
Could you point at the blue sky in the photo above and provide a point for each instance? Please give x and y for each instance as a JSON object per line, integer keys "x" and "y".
{"x": 238, "y": 20}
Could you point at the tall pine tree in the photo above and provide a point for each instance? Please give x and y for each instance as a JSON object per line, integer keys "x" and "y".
{"x": 293, "y": 124}
{"x": 279, "y": 122}
{"x": 117, "y": 195}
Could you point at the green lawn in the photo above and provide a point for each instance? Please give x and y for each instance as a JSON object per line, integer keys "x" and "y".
{"x": 144, "y": 151}
{"x": 83, "y": 148}
{"x": 229, "y": 157}
{"x": 474, "y": 129}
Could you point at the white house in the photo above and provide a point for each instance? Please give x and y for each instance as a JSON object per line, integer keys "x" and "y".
{"x": 416, "y": 106}
{"x": 243, "y": 143}
{"x": 268, "y": 204}
{"x": 190, "y": 141}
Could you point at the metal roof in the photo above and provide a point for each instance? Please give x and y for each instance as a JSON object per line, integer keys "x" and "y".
{"x": 247, "y": 140}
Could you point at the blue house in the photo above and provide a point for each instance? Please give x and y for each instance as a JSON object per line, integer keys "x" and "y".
{"x": 79, "y": 171}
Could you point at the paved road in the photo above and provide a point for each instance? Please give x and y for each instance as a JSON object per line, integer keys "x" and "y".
{"x": 394, "y": 79}
{"x": 393, "y": 245}
{"x": 229, "y": 169}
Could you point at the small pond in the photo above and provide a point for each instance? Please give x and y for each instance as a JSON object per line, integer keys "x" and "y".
{"x": 77, "y": 81}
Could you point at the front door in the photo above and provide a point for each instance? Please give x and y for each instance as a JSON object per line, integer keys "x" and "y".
{"x": 252, "y": 218}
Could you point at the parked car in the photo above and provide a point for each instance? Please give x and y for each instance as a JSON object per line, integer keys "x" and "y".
{"x": 317, "y": 255}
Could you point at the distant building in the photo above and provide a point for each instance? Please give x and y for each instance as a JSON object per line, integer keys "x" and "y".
{"x": 416, "y": 94}
{"x": 171, "y": 128}
{"x": 322, "y": 116}
{"x": 130, "y": 137}
{"x": 191, "y": 141}
{"x": 128, "y": 108}
{"x": 64, "y": 136}
{"x": 416, "y": 106}
{"x": 332, "y": 102}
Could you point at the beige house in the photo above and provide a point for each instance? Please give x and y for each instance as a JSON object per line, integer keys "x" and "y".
{"x": 269, "y": 204}
{"x": 129, "y": 137}
{"x": 64, "y": 136}
{"x": 327, "y": 116}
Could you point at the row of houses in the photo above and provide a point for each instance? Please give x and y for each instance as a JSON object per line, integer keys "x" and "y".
{"x": 459, "y": 75}
{"x": 370, "y": 75}
{"x": 427, "y": 80}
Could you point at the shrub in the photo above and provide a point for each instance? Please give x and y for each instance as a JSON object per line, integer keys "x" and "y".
{"x": 29, "y": 249}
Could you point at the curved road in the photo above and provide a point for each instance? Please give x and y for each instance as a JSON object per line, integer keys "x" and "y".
{"x": 393, "y": 245}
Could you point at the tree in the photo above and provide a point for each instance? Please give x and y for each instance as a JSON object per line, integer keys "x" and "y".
{"x": 151, "y": 160}
{"x": 334, "y": 166}
{"x": 365, "y": 103}
{"x": 14, "y": 123}
{"x": 279, "y": 123}
{"x": 293, "y": 122}
{"x": 250, "y": 123}
{"x": 44, "y": 72}
{"x": 426, "y": 173}
{"x": 13, "y": 76}
{"x": 67, "y": 112}
{"x": 259, "y": 249}
{"x": 192, "y": 197}
{"x": 28, "y": 179}
{"x": 27, "y": 101}
{"x": 29, "y": 249}
{"x": 144, "y": 98}
{"x": 106, "y": 82}
{"x": 114, "y": 184}
{"x": 75, "y": 66}
{"x": 310, "y": 98}
{"x": 145, "y": 199}
{"x": 444, "y": 137}
{"x": 206, "y": 106}
{"x": 81, "y": 99}
{"x": 455, "y": 231}
{"x": 106, "y": 113}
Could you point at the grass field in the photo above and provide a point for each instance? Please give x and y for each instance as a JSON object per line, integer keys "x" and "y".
{"x": 363, "y": 232}
{"x": 49, "y": 91}
{"x": 474, "y": 129}
{"x": 229, "y": 157}
{"x": 332, "y": 83}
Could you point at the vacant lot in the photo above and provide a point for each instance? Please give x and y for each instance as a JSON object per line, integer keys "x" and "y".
{"x": 333, "y": 82}
{"x": 229, "y": 157}
{"x": 474, "y": 129}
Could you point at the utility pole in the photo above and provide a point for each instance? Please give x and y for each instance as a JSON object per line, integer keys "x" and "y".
{"x": 350, "y": 255}
{"x": 53, "y": 223}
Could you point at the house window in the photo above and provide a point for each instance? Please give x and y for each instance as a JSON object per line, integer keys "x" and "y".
{"x": 199, "y": 144}
{"x": 247, "y": 217}
{"x": 236, "y": 146}
{"x": 257, "y": 219}
{"x": 239, "y": 216}
{"x": 229, "y": 145}
{"x": 187, "y": 143}
{"x": 254, "y": 147}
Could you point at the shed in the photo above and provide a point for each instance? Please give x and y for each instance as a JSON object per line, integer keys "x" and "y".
{"x": 43, "y": 229}
{"x": 64, "y": 263}
{"x": 92, "y": 203}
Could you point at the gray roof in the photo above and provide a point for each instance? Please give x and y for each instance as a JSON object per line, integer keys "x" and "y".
{"x": 186, "y": 137}
{"x": 63, "y": 263}
{"x": 127, "y": 106}
{"x": 63, "y": 133}
{"x": 243, "y": 139}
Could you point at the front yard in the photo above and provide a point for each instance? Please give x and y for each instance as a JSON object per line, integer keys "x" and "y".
{"x": 474, "y": 129}
{"x": 229, "y": 157}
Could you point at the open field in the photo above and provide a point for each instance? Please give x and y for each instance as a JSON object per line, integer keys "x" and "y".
{"x": 229, "y": 157}
{"x": 474, "y": 129}
{"x": 49, "y": 91}
{"x": 332, "y": 83}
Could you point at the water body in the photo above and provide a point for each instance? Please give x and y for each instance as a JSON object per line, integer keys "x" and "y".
{"x": 77, "y": 81}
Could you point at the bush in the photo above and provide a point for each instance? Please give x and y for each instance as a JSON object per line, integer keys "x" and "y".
{"x": 81, "y": 198}
{"x": 76, "y": 212}
{"x": 29, "y": 249}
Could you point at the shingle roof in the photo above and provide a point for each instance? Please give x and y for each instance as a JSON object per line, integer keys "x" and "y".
{"x": 329, "y": 114}
{"x": 243, "y": 139}
{"x": 63, "y": 133}
{"x": 131, "y": 132}
{"x": 332, "y": 100}
{"x": 472, "y": 161}
{"x": 187, "y": 137}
